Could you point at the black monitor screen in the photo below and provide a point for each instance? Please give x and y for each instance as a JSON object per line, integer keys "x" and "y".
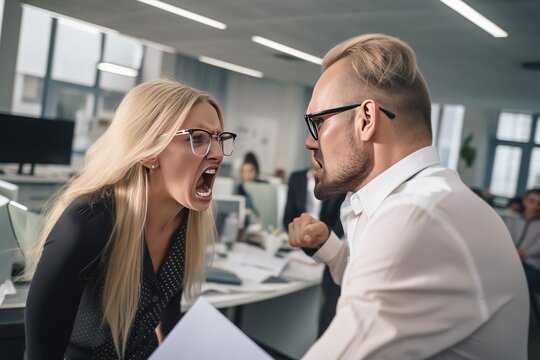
{"x": 25, "y": 139}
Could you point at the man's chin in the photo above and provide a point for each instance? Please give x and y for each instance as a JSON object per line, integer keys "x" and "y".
{"x": 322, "y": 193}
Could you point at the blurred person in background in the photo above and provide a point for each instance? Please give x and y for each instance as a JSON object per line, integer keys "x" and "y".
{"x": 301, "y": 199}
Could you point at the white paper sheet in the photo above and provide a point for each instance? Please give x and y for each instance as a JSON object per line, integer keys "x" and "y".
{"x": 206, "y": 334}
{"x": 258, "y": 260}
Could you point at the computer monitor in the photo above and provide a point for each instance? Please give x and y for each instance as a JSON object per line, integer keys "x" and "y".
{"x": 30, "y": 140}
{"x": 265, "y": 199}
{"x": 229, "y": 215}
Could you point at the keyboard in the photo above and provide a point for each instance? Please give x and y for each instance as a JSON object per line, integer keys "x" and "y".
{"x": 222, "y": 276}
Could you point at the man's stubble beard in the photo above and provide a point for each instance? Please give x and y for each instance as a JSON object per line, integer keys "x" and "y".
{"x": 350, "y": 174}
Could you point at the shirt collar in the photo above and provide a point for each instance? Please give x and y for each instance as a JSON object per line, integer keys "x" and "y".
{"x": 369, "y": 198}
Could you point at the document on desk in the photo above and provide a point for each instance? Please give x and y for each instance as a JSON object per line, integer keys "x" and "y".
{"x": 204, "y": 333}
{"x": 259, "y": 260}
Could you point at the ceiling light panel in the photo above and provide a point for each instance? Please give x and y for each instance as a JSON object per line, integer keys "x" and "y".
{"x": 232, "y": 67}
{"x": 475, "y": 17}
{"x": 184, "y": 13}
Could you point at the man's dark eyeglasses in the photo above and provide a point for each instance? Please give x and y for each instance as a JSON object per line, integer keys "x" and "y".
{"x": 314, "y": 120}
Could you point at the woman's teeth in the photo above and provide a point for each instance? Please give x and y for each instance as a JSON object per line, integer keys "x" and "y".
{"x": 207, "y": 193}
{"x": 206, "y": 187}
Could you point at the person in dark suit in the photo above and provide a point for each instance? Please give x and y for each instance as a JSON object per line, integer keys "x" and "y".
{"x": 300, "y": 199}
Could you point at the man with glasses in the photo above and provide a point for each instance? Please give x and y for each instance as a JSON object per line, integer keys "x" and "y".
{"x": 428, "y": 269}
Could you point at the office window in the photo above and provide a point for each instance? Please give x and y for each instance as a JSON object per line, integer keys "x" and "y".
{"x": 125, "y": 51}
{"x": 537, "y": 135}
{"x": 73, "y": 102}
{"x": 448, "y": 134}
{"x": 435, "y": 119}
{"x": 516, "y": 155}
{"x": 505, "y": 171}
{"x": 514, "y": 127}
{"x": 1, "y": 14}
{"x": 76, "y": 53}
{"x": 534, "y": 169}
{"x": 108, "y": 102}
{"x": 32, "y": 59}
{"x": 32, "y": 89}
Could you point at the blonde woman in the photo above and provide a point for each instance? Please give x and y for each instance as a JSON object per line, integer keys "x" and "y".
{"x": 128, "y": 235}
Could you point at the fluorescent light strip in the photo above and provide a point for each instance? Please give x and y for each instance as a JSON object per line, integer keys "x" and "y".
{"x": 287, "y": 50}
{"x": 187, "y": 14}
{"x": 117, "y": 69}
{"x": 475, "y": 17}
{"x": 229, "y": 66}
{"x": 72, "y": 20}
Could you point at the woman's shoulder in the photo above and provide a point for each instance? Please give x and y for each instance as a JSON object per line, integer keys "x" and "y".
{"x": 88, "y": 217}
{"x": 90, "y": 208}
{"x": 82, "y": 231}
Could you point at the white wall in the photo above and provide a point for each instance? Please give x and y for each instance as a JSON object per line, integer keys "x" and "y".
{"x": 268, "y": 116}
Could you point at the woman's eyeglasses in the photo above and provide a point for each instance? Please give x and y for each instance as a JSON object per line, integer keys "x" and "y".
{"x": 201, "y": 140}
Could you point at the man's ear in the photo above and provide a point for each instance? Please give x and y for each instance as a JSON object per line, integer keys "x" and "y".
{"x": 367, "y": 120}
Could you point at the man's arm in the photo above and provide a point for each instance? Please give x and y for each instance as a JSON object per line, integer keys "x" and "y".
{"x": 408, "y": 292}
{"x": 317, "y": 240}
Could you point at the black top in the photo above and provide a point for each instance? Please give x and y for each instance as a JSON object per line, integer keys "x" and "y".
{"x": 63, "y": 316}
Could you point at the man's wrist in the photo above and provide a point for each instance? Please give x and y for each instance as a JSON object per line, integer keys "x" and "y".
{"x": 312, "y": 251}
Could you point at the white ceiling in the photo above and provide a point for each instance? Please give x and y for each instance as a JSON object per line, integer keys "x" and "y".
{"x": 462, "y": 63}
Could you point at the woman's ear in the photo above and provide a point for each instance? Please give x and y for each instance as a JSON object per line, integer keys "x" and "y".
{"x": 150, "y": 163}
{"x": 367, "y": 120}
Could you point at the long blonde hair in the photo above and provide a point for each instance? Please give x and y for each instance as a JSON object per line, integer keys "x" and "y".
{"x": 146, "y": 113}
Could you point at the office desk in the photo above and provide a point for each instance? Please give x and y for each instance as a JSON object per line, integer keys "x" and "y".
{"x": 281, "y": 316}
{"x": 35, "y": 190}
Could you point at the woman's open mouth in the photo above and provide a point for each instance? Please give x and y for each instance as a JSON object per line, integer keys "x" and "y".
{"x": 204, "y": 185}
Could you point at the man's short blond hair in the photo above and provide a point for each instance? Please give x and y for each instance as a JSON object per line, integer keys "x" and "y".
{"x": 386, "y": 64}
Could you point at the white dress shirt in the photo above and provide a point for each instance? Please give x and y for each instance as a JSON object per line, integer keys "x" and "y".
{"x": 428, "y": 271}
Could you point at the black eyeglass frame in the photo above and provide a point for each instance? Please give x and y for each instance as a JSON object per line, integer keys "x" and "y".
{"x": 314, "y": 129}
{"x": 217, "y": 136}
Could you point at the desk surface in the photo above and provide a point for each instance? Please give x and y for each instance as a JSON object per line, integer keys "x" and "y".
{"x": 283, "y": 316}
{"x": 299, "y": 274}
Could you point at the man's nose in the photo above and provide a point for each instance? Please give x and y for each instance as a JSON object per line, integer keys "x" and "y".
{"x": 311, "y": 143}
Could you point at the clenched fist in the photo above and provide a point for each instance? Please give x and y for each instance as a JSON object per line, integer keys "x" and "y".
{"x": 307, "y": 232}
